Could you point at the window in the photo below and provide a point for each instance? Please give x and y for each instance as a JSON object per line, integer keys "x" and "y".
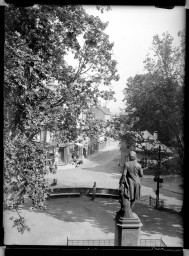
{"x": 144, "y": 162}
{"x": 51, "y": 136}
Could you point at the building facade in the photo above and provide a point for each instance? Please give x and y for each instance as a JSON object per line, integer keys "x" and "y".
{"x": 141, "y": 155}
{"x": 101, "y": 113}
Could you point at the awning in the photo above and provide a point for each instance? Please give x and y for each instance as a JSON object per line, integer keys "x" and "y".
{"x": 51, "y": 144}
{"x": 62, "y": 145}
{"x": 79, "y": 144}
{"x": 101, "y": 139}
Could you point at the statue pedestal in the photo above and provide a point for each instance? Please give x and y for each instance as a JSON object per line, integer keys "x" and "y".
{"x": 127, "y": 231}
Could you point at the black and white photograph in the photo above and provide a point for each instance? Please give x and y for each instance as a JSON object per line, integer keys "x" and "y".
{"x": 94, "y": 125}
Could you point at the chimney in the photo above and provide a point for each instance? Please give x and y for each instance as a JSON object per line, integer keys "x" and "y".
{"x": 155, "y": 135}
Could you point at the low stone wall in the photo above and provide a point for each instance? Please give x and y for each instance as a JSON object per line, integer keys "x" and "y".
{"x": 84, "y": 191}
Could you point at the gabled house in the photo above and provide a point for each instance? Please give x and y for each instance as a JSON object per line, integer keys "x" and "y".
{"x": 46, "y": 139}
{"x": 101, "y": 113}
{"x": 95, "y": 144}
{"x": 86, "y": 115}
{"x": 150, "y": 142}
{"x": 59, "y": 151}
{"x": 98, "y": 113}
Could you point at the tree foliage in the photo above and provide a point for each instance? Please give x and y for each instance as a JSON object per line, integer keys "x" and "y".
{"x": 43, "y": 91}
{"x": 36, "y": 46}
{"x": 117, "y": 128}
{"x": 156, "y": 98}
{"x": 92, "y": 128}
{"x": 24, "y": 170}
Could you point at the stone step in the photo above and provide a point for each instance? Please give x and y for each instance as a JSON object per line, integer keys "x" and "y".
{"x": 104, "y": 195}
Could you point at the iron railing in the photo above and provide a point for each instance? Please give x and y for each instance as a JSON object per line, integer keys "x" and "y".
{"x": 152, "y": 242}
{"x": 152, "y": 202}
{"x": 110, "y": 242}
{"x": 107, "y": 242}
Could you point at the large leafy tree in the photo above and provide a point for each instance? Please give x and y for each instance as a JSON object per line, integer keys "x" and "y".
{"x": 55, "y": 57}
{"x": 156, "y": 98}
{"x": 36, "y": 46}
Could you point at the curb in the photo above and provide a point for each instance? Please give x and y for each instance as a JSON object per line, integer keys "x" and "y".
{"x": 172, "y": 191}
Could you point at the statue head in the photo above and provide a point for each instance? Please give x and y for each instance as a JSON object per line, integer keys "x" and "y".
{"x": 132, "y": 155}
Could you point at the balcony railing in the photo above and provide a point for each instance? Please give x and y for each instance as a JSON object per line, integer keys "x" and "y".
{"x": 110, "y": 242}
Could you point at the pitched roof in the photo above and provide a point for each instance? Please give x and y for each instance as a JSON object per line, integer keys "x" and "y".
{"x": 148, "y": 135}
{"x": 104, "y": 110}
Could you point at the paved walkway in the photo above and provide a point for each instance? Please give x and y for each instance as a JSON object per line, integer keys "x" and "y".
{"x": 173, "y": 189}
{"x": 81, "y": 218}
{"x": 170, "y": 183}
{"x": 171, "y": 186}
{"x": 106, "y": 173}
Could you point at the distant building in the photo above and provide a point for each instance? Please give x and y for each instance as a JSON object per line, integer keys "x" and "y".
{"x": 53, "y": 149}
{"x": 84, "y": 146}
{"x": 98, "y": 113}
{"x": 46, "y": 139}
{"x": 86, "y": 115}
{"x": 126, "y": 117}
{"x": 148, "y": 144}
{"x": 101, "y": 113}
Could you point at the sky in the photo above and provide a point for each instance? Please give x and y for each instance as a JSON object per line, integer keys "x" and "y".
{"x": 132, "y": 28}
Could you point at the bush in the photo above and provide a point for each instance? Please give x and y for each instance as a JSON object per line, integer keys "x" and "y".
{"x": 24, "y": 170}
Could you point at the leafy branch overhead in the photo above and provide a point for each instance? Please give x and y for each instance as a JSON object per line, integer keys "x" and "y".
{"x": 36, "y": 50}
{"x": 55, "y": 58}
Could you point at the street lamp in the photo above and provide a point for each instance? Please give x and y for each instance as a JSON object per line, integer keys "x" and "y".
{"x": 157, "y": 178}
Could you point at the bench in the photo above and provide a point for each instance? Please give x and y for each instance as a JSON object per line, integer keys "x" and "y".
{"x": 65, "y": 195}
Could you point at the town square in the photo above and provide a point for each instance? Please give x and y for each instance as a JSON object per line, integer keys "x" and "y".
{"x": 94, "y": 126}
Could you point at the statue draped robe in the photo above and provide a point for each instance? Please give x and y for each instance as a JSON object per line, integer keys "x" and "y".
{"x": 129, "y": 189}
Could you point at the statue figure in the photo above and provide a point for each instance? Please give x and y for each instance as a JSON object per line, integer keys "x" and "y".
{"x": 129, "y": 185}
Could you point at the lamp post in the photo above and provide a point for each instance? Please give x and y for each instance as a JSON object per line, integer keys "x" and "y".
{"x": 158, "y": 181}
{"x": 157, "y": 178}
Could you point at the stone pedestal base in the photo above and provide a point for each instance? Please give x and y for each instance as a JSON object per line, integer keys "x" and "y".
{"x": 127, "y": 231}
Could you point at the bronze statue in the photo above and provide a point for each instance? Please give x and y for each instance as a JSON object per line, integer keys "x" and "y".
{"x": 129, "y": 186}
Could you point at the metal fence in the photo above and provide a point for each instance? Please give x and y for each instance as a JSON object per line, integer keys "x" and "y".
{"x": 152, "y": 242}
{"x": 110, "y": 242}
{"x": 152, "y": 202}
{"x": 107, "y": 242}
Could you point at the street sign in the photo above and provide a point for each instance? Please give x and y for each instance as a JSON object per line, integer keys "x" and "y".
{"x": 158, "y": 179}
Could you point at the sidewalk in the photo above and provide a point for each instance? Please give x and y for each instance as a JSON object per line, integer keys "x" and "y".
{"x": 111, "y": 145}
{"x": 174, "y": 189}
{"x": 171, "y": 186}
{"x": 105, "y": 175}
{"x": 82, "y": 218}
{"x": 78, "y": 177}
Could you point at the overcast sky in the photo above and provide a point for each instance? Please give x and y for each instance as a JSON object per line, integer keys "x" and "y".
{"x": 132, "y": 28}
